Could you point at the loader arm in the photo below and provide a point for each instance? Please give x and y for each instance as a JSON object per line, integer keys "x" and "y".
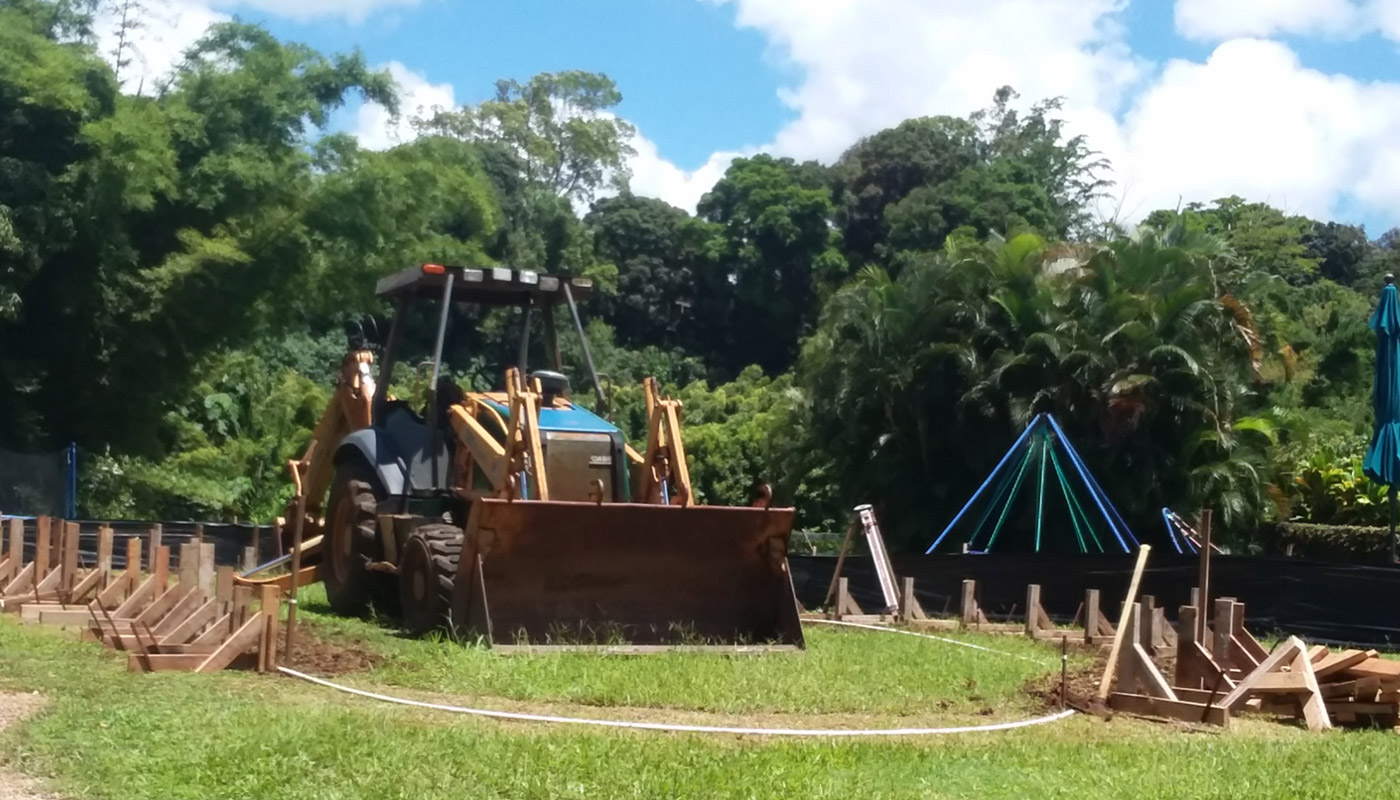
{"x": 513, "y": 468}
{"x": 347, "y": 412}
{"x": 665, "y": 475}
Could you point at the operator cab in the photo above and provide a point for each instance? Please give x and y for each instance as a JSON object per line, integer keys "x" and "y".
{"x": 413, "y": 443}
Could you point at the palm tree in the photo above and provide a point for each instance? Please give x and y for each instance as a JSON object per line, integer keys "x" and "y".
{"x": 919, "y": 383}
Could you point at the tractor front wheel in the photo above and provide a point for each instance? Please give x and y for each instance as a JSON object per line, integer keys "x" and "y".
{"x": 427, "y": 572}
{"x": 350, "y": 541}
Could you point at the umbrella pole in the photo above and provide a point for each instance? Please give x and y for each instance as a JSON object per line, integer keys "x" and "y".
{"x": 1392, "y": 525}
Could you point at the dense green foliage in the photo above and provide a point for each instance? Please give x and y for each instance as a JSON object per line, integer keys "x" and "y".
{"x": 177, "y": 265}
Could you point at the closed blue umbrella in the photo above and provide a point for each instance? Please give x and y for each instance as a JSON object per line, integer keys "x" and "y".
{"x": 1382, "y": 463}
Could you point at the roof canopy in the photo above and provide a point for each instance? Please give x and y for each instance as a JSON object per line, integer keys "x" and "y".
{"x": 493, "y": 286}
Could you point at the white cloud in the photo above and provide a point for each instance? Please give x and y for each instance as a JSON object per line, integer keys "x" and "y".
{"x": 1250, "y": 120}
{"x": 1385, "y": 15}
{"x": 1253, "y": 121}
{"x": 871, "y": 63}
{"x": 1216, "y": 20}
{"x": 153, "y": 49}
{"x": 377, "y": 130}
{"x": 654, "y": 176}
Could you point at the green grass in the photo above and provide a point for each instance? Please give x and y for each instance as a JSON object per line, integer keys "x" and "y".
{"x": 114, "y": 735}
{"x": 843, "y": 671}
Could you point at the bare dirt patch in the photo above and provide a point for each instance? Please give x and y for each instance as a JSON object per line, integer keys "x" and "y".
{"x": 1080, "y": 686}
{"x": 15, "y": 708}
{"x": 318, "y": 654}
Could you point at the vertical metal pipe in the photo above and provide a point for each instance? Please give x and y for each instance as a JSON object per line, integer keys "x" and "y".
{"x": 391, "y": 352}
{"x": 583, "y": 339}
{"x": 1392, "y": 525}
{"x": 1064, "y": 669}
{"x": 434, "y": 423}
{"x": 296, "y": 575}
{"x": 1203, "y": 578}
{"x": 552, "y": 338}
{"x": 522, "y": 359}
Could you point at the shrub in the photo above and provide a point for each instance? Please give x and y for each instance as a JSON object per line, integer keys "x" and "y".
{"x": 1333, "y": 542}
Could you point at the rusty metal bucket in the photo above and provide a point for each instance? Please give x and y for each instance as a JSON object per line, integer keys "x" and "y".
{"x": 630, "y": 576}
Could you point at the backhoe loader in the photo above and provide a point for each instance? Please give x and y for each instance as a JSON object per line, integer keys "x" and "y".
{"x": 517, "y": 515}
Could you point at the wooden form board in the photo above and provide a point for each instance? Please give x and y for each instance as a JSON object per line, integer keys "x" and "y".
{"x": 200, "y": 621}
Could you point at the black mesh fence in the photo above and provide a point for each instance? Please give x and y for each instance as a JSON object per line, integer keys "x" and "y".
{"x": 34, "y": 484}
{"x": 229, "y": 540}
{"x": 1323, "y": 601}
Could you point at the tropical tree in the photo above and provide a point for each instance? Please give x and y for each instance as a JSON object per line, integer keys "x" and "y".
{"x": 920, "y": 382}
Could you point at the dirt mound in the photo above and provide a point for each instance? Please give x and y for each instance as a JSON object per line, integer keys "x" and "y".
{"x": 1080, "y": 685}
{"x": 323, "y": 655}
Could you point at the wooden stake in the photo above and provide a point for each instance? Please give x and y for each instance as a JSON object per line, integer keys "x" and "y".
{"x": 1203, "y": 579}
{"x": 1091, "y": 615}
{"x": 70, "y": 560}
{"x": 296, "y": 575}
{"x": 250, "y": 559}
{"x": 969, "y": 603}
{"x": 845, "y": 604}
{"x": 268, "y": 598}
{"x": 104, "y": 555}
{"x": 153, "y": 548}
{"x": 1112, "y": 665}
{"x": 1224, "y": 629}
{"x": 188, "y": 565}
{"x": 204, "y": 573}
{"x": 1033, "y": 609}
{"x": 161, "y": 573}
{"x": 42, "y": 549}
{"x": 223, "y": 584}
{"x": 910, "y": 610}
{"x": 840, "y": 562}
{"x": 16, "y": 543}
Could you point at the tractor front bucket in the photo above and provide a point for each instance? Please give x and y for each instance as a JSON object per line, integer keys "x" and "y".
{"x": 560, "y": 574}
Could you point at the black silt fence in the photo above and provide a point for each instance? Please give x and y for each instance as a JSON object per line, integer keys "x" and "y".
{"x": 1321, "y": 601}
{"x": 229, "y": 540}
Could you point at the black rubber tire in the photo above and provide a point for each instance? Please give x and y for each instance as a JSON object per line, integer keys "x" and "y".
{"x": 351, "y": 541}
{"x": 427, "y": 572}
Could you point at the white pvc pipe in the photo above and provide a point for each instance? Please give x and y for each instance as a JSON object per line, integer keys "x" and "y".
{"x": 679, "y": 728}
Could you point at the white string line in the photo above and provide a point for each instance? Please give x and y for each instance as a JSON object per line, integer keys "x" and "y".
{"x": 924, "y": 636}
{"x": 677, "y": 728}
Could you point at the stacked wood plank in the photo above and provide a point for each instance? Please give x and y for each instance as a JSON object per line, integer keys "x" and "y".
{"x": 1357, "y": 686}
{"x": 199, "y": 621}
{"x": 1222, "y": 671}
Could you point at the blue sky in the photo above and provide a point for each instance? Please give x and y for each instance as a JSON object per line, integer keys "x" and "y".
{"x": 1293, "y": 102}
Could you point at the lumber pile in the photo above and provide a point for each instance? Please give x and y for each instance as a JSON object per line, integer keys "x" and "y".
{"x": 194, "y": 620}
{"x": 1222, "y": 671}
{"x": 1357, "y": 687}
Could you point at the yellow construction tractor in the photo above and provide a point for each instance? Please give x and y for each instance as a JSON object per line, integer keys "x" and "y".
{"x": 518, "y": 515}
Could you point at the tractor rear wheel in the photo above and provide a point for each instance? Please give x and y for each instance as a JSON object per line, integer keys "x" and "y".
{"x": 350, "y": 541}
{"x": 427, "y": 572}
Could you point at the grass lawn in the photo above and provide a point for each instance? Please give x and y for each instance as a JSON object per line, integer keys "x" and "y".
{"x": 110, "y": 734}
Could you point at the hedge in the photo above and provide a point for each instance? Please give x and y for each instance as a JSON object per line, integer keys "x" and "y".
{"x": 1332, "y": 542}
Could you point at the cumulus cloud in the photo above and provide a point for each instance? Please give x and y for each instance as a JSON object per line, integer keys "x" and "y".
{"x": 1214, "y": 20}
{"x": 654, "y": 176}
{"x": 1253, "y": 121}
{"x": 153, "y": 49}
{"x": 378, "y": 130}
{"x": 869, "y": 64}
{"x": 1249, "y": 120}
